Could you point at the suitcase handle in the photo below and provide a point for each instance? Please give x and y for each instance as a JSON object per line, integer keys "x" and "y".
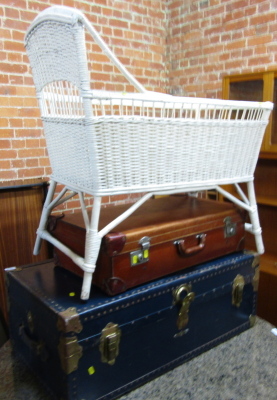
{"x": 194, "y": 249}
{"x": 35, "y": 345}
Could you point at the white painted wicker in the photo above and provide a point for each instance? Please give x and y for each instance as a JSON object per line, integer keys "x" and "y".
{"x": 106, "y": 143}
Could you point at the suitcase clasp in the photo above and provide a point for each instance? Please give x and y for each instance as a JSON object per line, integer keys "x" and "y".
{"x": 109, "y": 343}
{"x": 230, "y": 228}
{"x": 141, "y": 256}
{"x": 178, "y": 294}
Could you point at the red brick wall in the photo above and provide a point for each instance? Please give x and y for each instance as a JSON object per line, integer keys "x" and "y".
{"x": 208, "y": 39}
{"x": 181, "y": 47}
{"x": 135, "y": 32}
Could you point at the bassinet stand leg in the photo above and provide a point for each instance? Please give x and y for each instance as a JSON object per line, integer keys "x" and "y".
{"x": 44, "y": 216}
{"x": 249, "y": 204}
{"x": 92, "y": 246}
{"x": 254, "y": 217}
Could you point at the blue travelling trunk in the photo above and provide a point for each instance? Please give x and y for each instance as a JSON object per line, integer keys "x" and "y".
{"x": 107, "y": 346}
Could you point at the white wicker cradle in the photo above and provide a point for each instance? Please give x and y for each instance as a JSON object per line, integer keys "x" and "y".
{"x": 106, "y": 143}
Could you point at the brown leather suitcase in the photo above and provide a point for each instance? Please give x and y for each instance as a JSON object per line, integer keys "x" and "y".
{"x": 163, "y": 236}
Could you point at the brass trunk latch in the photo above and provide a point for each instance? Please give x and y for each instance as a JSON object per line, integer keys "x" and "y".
{"x": 237, "y": 292}
{"x": 183, "y": 296}
{"x": 109, "y": 343}
{"x": 70, "y": 353}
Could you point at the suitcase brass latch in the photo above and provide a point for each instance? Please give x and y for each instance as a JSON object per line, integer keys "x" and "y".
{"x": 183, "y": 296}
{"x": 230, "y": 228}
{"x": 237, "y": 292}
{"x": 141, "y": 256}
{"x": 109, "y": 343}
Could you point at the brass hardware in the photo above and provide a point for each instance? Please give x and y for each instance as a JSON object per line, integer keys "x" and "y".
{"x": 70, "y": 353}
{"x": 69, "y": 321}
{"x": 230, "y": 228}
{"x": 252, "y": 320}
{"x": 178, "y": 295}
{"x": 256, "y": 261}
{"x": 141, "y": 256}
{"x": 237, "y": 291}
{"x": 109, "y": 343}
{"x": 30, "y": 322}
{"x": 256, "y": 278}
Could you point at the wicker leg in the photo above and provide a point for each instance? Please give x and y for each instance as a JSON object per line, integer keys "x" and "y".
{"x": 254, "y": 218}
{"x": 44, "y": 216}
{"x": 93, "y": 241}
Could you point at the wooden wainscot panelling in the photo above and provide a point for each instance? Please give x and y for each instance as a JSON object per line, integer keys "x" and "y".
{"x": 21, "y": 205}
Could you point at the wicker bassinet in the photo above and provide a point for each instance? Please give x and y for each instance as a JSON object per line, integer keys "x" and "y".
{"x": 106, "y": 143}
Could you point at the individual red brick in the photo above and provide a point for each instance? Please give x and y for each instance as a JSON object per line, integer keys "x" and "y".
{"x": 25, "y": 153}
{"x": 18, "y": 144}
{"x": 32, "y": 5}
{"x": 32, "y": 143}
{"x": 235, "y": 25}
{"x": 13, "y": 68}
{"x": 27, "y": 15}
{"x": 234, "y": 5}
{"x": 7, "y": 154}
{"x": 14, "y": 57}
{"x": 101, "y": 2}
{"x": 30, "y": 173}
{"x": 215, "y": 11}
{"x": 16, "y": 122}
{"x": 25, "y": 91}
{"x": 44, "y": 162}
{"x": 259, "y": 40}
{"x": 8, "y": 112}
{"x": 5, "y": 164}
{"x": 18, "y": 35}
{"x": 30, "y": 102}
{"x": 15, "y": 24}
{"x": 28, "y": 133}
{"x": 239, "y": 44}
{"x": 4, "y": 122}
{"x": 7, "y": 133}
{"x": 12, "y": 12}
{"x": 7, "y": 175}
{"x": 30, "y": 123}
{"x": 16, "y": 101}
{"x": 15, "y": 3}
{"x": 252, "y": 10}
{"x": 5, "y": 33}
{"x": 119, "y": 23}
{"x": 69, "y": 3}
{"x": 17, "y": 164}
{"x": 29, "y": 112}
{"x": 13, "y": 46}
{"x": 16, "y": 79}
{"x": 260, "y": 61}
{"x": 260, "y": 50}
{"x": 247, "y": 53}
{"x": 234, "y": 65}
{"x": 32, "y": 162}
{"x": 263, "y": 18}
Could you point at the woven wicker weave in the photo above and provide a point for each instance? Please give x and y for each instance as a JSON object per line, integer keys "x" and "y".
{"x": 106, "y": 143}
